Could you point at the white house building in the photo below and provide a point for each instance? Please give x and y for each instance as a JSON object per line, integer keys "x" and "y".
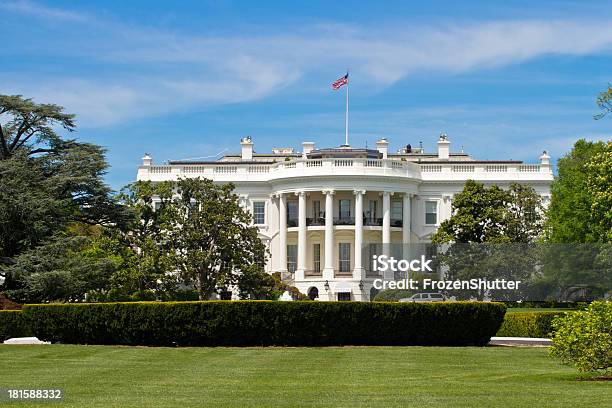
{"x": 318, "y": 209}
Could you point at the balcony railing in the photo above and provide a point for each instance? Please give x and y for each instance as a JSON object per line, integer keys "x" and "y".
{"x": 315, "y": 221}
{"x": 372, "y": 222}
{"x": 396, "y": 222}
{"x": 344, "y": 220}
{"x": 367, "y": 222}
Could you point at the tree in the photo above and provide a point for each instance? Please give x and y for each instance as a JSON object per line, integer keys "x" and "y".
{"x": 30, "y": 127}
{"x": 214, "y": 241}
{"x": 599, "y": 182}
{"x": 64, "y": 269}
{"x": 47, "y": 182}
{"x": 145, "y": 237}
{"x": 604, "y": 101}
{"x": 569, "y": 217}
{"x": 492, "y": 215}
{"x": 489, "y": 235}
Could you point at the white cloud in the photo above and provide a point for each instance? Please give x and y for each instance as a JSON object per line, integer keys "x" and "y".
{"x": 141, "y": 72}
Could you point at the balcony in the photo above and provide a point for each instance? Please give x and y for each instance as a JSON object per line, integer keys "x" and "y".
{"x": 396, "y": 222}
{"x": 318, "y": 221}
{"x": 292, "y": 222}
{"x": 344, "y": 220}
{"x": 372, "y": 222}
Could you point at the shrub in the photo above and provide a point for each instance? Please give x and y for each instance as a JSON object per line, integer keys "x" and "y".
{"x": 528, "y": 324}
{"x": 393, "y": 295}
{"x": 267, "y": 323}
{"x": 584, "y": 338}
{"x": 13, "y": 324}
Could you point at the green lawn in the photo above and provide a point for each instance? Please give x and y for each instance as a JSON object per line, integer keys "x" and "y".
{"x": 99, "y": 376}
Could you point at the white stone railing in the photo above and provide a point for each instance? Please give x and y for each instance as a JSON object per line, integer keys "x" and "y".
{"x": 345, "y": 166}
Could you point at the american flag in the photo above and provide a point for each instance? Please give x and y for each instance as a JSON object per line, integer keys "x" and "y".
{"x": 338, "y": 83}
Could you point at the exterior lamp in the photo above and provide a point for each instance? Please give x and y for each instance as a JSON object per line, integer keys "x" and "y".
{"x": 361, "y": 285}
{"x": 327, "y": 286}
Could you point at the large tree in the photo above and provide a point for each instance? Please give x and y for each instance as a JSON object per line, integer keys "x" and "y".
{"x": 569, "y": 217}
{"x": 492, "y": 215}
{"x": 215, "y": 243}
{"x": 47, "y": 182}
{"x": 599, "y": 182}
{"x": 489, "y": 236}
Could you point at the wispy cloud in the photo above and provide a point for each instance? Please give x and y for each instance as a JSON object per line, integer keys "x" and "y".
{"x": 146, "y": 72}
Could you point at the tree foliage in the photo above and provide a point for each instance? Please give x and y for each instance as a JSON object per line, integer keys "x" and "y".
{"x": 30, "y": 127}
{"x": 492, "y": 215}
{"x": 215, "y": 245}
{"x": 604, "y": 101}
{"x": 570, "y": 215}
{"x": 584, "y": 338}
{"x": 599, "y": 182}
{"x": 47, "y": 182}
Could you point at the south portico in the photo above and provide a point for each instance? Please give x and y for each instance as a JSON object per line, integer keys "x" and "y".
{"x": 337, "y": 235}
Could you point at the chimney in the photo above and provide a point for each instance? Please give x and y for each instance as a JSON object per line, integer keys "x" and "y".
{"x": 383, "y": 147}
{"x": 147, "y": 160}
{"x": 307, "y": 147}
{"x": 443, "y": 147}
{"x": 545, "y": 162}
{"x": 247, "y": 148}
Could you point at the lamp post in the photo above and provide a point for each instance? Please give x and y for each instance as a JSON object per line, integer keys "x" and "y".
{"x": 326, "y": 286}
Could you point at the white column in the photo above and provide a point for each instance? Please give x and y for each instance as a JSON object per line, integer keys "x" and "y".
{"x": 386, "y": 227}
{"x": 301, "y": 255}
{"x": 328, "y": 270}
{"x": 282, "y": 232}
{"x": 386, "y": 231}
{"x": 406, "y": 225}
{"x": 358, "y": 271}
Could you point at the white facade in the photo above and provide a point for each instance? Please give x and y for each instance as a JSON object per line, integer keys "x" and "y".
{"x": 305, "y": 203}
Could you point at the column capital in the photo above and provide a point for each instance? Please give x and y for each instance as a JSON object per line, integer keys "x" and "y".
{"x": 300, "y": 193}
{"x": 385, "y": 193}
{"x": 277, "y": 195}
{"x": 447, "y": 197}
{"x": 359, "y": 192}
{"x": 328, "y": 191}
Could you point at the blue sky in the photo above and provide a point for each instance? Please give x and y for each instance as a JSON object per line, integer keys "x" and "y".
{"x": 186, "y": 79}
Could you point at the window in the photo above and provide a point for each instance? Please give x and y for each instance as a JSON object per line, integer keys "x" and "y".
{"x": 344, "y": 296}
{"x": 316, "y": 257}
{"x": 291, "y": 258}
{"x": 372, "y": 209}
{"x": 396, "y": 210}
{"x": 345, "y": 209}
{"x": 431, "y": 212}
{"x": 313, "y": 293}
{"x": 292, "y": 213}
{"x": 344, "y": 257}
{"x": 316, "y": 209}
{"x": 259, "y": 212}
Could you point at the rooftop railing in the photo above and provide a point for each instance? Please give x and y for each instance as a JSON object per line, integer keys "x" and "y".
{"x": 260, "y": 171}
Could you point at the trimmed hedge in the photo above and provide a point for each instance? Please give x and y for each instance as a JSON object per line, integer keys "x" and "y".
{"x": 13, "y": 324}
{"x": 528, "y": 324}
{"x": 267, "y": 323}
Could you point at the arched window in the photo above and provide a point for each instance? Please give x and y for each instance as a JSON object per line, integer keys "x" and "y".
{"x": 313, "y": 293}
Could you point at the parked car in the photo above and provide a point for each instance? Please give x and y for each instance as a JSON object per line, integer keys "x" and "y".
{"x": 424, "y": 297}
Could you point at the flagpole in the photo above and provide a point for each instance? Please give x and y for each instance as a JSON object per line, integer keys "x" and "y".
{"x": 346, "y": 118}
